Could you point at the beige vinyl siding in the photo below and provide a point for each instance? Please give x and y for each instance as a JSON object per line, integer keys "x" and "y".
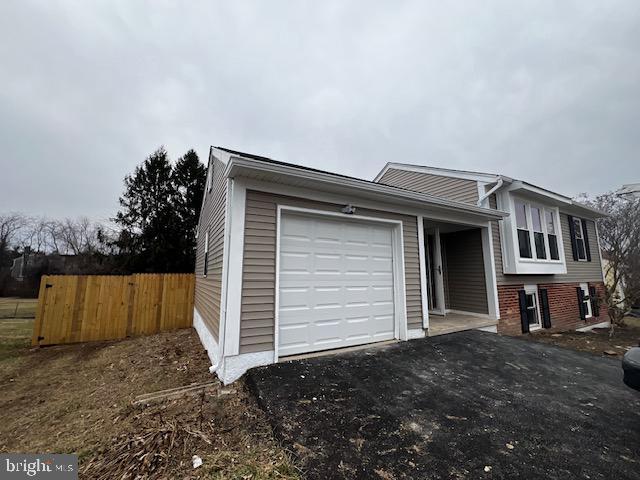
{"x": 212, "y": 218}
{"x": 257, "y": 317}
{"x": 495, "y": 235}
{"x": 442, "y": 186}
{"x": 576, "y": 271}
{"x": 466, "y": 288}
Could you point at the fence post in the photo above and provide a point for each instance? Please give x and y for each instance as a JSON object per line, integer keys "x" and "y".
{"x": 37, "y": 326}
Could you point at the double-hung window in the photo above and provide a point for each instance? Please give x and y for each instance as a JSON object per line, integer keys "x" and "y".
{"x": 537, "y": 228}
{"x": 538, "y": 234}
{"x": 586, "y": 301}
{"x": 580, "y": 243}
{"x": 532, "y": 306}
{"x": 524, "y": 241}
{"x": 552, "y": 235}
{"x": 205, "y": 269}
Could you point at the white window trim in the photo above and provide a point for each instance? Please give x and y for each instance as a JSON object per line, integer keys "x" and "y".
{"x": 543, "y": 224}
{"x": 581, "y": 239}
{"x": 533, "y": 290}
{"x": 206, "y": 251}
{"x": 512, "y": 262}
{"x": 399, "y": 297}
{"x": 587, "y": 301}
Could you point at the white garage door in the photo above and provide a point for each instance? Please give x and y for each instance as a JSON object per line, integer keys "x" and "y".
{"x": 336, "y": 283}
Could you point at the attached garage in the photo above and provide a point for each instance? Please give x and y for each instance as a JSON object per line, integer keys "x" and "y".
{"x": 301, "y": 260}
{"x": 336, "y": 281}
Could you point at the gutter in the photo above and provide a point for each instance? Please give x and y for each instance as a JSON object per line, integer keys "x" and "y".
{"x": 496, "y": 187}
{"x": 406, "y": 196}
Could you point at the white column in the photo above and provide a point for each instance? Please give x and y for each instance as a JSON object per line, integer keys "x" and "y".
{"x": 423, "y": 274}
{"x": 490, "y": 271}
{"x": 234, "y": 268}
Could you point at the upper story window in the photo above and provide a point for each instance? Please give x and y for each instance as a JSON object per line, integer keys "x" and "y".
{"x": 537, "y": 228}
{"x": 552, "y": 235}
{"x": 581, "y": 249}
{"x": 205, "y": 267}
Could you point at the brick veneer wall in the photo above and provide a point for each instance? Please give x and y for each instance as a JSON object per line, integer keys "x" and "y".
{"x": 563, "y": 307}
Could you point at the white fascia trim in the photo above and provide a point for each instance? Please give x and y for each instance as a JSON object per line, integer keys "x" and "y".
{"x": 442, "y": 172}
{"x": 591, "y": 212}
{"x": 234, "y": 268}
{"x": 414, "y": 333}
{"x": 237, "y": 164}
{"x": 234, "y": 367}
{"x": 207, "y": 339}
{"x": 588, "y": 328}
{"x": 424, "y": 299}
{"x": 221, "y": 155}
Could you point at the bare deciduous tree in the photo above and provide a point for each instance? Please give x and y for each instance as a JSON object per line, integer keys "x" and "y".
{"x": 10, "y": 225}
{"x": 619, "y": 235}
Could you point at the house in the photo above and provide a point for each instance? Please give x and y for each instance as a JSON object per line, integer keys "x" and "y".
{"x": 293, "y": 260}
{"x": 630, "y": 191}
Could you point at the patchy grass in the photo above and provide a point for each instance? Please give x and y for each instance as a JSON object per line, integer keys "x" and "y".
{"x": 18, "y": 307}
{"x": 15, "y": 337}
{"x": 597, "y": 341}
{"x": 79, "y": 399}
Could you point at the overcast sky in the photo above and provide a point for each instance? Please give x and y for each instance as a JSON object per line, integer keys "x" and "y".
{"x": 548, "y": 92}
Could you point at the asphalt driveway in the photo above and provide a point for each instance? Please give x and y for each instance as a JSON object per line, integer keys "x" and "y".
{"x": 466, "y": 405}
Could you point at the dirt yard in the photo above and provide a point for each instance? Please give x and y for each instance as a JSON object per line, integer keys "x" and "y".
{"x": 79, "y": 398}
{"x": 597, "y": 341}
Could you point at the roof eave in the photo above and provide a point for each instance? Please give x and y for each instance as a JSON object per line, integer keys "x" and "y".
{"x": 237, "y": 163}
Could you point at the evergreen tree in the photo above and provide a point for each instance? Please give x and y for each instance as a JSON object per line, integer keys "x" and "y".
{"x": 156, "y": 218}
{"x": 189, "y": 178}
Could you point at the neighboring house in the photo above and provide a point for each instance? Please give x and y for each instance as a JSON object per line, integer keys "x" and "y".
{"x": 631, "y": 190}
{"x": 609, "y": 278}
{"x": 292, "y": 260}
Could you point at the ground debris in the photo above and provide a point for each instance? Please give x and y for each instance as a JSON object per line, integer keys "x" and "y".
{"x": 80, "y": 399}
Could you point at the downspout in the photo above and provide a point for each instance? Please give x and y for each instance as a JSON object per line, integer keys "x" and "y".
{"x": 498, "y": 184}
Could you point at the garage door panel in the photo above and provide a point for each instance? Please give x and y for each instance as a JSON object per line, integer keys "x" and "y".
{"x": 335, "y": 283}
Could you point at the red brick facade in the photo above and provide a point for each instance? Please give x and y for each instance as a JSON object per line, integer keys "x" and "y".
{"x": 563, "y": 307}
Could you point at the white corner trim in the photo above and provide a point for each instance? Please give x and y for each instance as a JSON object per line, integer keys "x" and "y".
{"x": 490, "y": 329}
{"x": 225, "y": 265}
{"x": 414, "y": 333}
{"x": 207, "y": 339}
{"x": 606, "y": 324}
{"x": 234, "y": 268}
{"x": 424, "y": 300}
{"x": 236, "y": 366}
{"x": 276, "y": 316}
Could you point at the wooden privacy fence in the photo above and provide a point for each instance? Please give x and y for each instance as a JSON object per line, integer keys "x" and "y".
{"x": 82, "y": 308}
